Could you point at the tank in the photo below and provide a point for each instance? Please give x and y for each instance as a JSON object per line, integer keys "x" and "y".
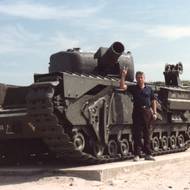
{"x": 77, "y": 112}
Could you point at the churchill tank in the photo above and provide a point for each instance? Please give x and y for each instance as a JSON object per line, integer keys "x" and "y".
{"x": 77, "y": 112}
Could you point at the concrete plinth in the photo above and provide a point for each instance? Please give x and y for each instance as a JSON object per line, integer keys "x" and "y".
{"x": 102, "y": 172}
{"x": 108, "y": 171}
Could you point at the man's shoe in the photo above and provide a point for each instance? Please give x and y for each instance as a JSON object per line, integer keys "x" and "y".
{"x": 136, "y": 158}
{"x": 149, "y": 157}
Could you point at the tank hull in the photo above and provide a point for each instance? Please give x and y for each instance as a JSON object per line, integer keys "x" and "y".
{"x": 89, "y": 125}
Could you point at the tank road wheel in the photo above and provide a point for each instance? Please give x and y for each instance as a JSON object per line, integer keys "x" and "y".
{"x": 98, "y": 150}
{"x": 173, "y": 141}
{"x": 79, "y": 141}
{"x": 181, "y": 141}
{"x": 164, "y": 143}
{"x": 112, "y": 148}
{"x": 155, "y": 144}
{"x": 124, "y": 147}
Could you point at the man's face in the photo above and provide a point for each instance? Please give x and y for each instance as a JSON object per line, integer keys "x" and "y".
{"x": 140, "y": 78}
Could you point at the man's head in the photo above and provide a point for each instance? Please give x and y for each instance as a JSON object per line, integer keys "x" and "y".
{"x": 140, "y": 78}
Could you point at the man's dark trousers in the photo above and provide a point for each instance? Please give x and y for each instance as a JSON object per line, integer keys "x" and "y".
{"x": 142, "y": 129}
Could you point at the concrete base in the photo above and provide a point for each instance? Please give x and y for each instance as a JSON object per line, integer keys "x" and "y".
{"x": 102, "y": 172}
{"x": 108, "y": 171}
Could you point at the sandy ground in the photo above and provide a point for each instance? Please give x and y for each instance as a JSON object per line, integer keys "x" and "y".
{"x": 167, "y": 176}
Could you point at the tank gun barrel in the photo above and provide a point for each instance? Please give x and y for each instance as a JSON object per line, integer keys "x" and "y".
{"x": 110, "y": 55}
{"x": 107, "y": 59}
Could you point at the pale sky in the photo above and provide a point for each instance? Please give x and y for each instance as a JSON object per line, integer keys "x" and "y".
{"x": 156, "y": 32}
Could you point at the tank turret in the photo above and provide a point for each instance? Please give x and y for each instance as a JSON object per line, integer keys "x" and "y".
{"x": 105, "y": 62}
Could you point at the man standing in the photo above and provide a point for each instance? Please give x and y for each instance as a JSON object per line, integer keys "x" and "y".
{"x": 144, "y": 111}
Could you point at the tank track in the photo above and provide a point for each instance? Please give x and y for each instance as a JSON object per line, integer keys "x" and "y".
{"x": 42, "y": 111}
